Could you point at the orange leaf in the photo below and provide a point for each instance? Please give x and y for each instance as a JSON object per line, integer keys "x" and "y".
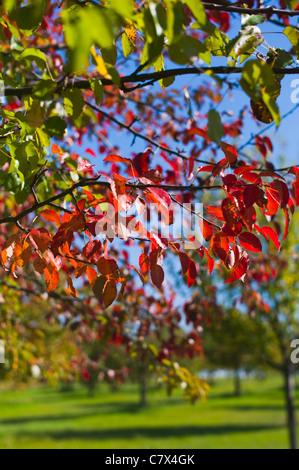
{"x": 22, "y": 254}
{"x": 52, "y": 277}
{"x": 50, "y": 215}
{"x": 110, "y": 292}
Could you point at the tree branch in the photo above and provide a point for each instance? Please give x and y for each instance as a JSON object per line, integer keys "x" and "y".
{"x": 269, "y": 11}
{"x": 141, "y": 136}
{"x": 146, "y": 77}
{"x": 96, "y": 182}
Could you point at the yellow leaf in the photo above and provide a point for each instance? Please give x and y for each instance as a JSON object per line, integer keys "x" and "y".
{"x": 100, "y": 64}
{"x": 130, "y": 32}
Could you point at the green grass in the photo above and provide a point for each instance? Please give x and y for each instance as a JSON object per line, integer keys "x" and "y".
{"x": 48, "y": 418}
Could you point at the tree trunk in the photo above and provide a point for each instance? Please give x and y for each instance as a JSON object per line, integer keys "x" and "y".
{"x": 289, "y": 388}
{"x": 237, "y": 382}
{"x": 142, "y": 387}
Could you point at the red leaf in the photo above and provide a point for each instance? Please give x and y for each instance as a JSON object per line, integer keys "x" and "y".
{"x": 250, "y": 242}
{"x": 160, "y": 195}
{"x": 185, "y": 260}
{"x": 107, "y": 266}
{"x": 296, "y": 192}
{"x": 273, "y": 201}
{"x": 283, "y": 191}
{"x": 207, "y": 230}
{"x": 269, "y": 234}
{"x": 230, "y": 152}
{"x": 39, "y": 265}
{"x": 50, "y": 215}
{"x": 240, "y": 269}
{"x": 116, "y": 158}
{"x": 90, "y": 151}
{"x": 230, "y": 212}
{"x": 211, "y": 261}
{"x": 40, "y": 239}
{"x": 191, "y": 273}
{"x": 216, "y": 211}
{"x": 141, "y": 162}
{"x": 220, "y": 245}
{"x": 287, "y": 223}
{"x": 251, "y": 195}
{"x": 92, "y": 251}
{"x": 157, "y": 275}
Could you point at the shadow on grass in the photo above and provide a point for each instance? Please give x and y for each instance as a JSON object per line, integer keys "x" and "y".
{"x": 146, "y": 432}
{"x": 82, "y": 411}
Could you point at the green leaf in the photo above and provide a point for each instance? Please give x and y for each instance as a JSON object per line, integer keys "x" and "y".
{"x": 175, "y": 12}
{"x": 4, "y": 156}
{"x": 9, "y": 5}
{"x": 29, "y": 17}
{"x": 98, "y": 90}
{"x": 44, "y": 89}
{"x": 151, "y": 52}
{"x": 273, "y": 108}
{"x": 283, "y": 58}
{"x": 258, "y": 81}
{"x": 73, "y": 102}
{"x": 198, "y": 11}
{"x": 215, "y": 126}
{"x": 55, "y": 127}
{"x": 217, "y": 43}
{"x": 86, "y": 27}
{"x": 127, "y": 45}
{"x": 124, "y": 8}
{"x": 34, "y": 54}
{"x": 22, "y": 196}
{"x": 293, "y": 36}
{"x": 109, "y": 54}
{"x": 188, "y": 50}
{"x": 159, "y": 66}
{"x": 252, "y": 20}
{"x": 12, "y": 183}
{"x": 257, "y": 77}
{"x": 35, "y": 116}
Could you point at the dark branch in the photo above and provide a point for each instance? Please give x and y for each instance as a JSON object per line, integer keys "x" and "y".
{"x": 129, "y": 128}
{"x": 269, "y": 11}
{"x": 146, "y": 77}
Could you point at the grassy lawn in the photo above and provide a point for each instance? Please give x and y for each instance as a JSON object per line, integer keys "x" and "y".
{"x": 49, "y": 418}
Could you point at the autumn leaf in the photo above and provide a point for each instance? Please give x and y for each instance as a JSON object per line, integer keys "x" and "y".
{"x": 52, "y": 277}
{"x": 250, "y": 242}
{"x": 239, "y": 270}
{"x": 22, "y": 253}
{"x": 40, "y": 239}
{"x": 107, "y": 266}
{"x": 50, "y": 215}
{"x": 157, "y": 275}
{"x": 230, "y": 152}
{"x": 110, "y": 292}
